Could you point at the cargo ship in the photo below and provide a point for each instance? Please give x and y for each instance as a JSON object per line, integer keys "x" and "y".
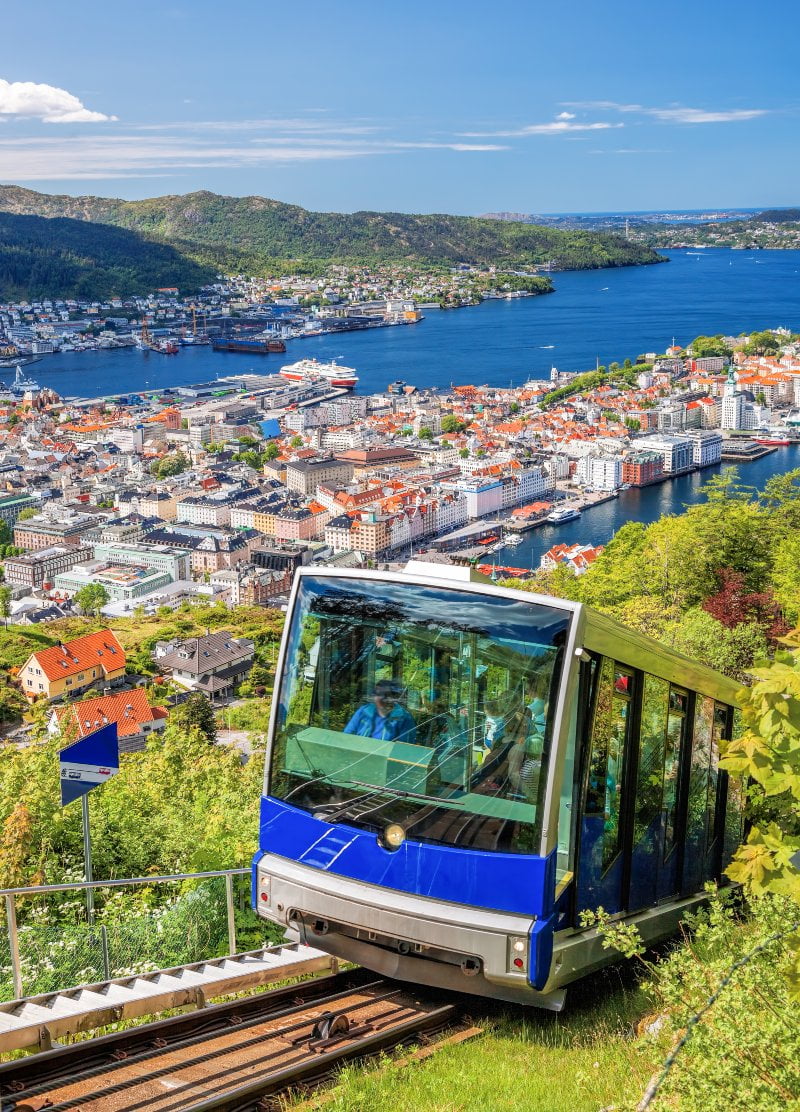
{"x": 332, "y": 373}
{"x": 257, "y": 345}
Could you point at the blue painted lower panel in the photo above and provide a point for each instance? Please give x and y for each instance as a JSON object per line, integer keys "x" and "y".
{"x": 516, "y": 883}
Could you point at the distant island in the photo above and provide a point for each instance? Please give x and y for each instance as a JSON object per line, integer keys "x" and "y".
{"x": 57, "y": 245}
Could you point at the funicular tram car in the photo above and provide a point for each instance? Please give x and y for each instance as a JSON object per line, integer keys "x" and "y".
{"x": 456, "y": 771}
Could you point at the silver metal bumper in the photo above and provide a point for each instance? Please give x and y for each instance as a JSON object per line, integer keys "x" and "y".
{"x": 396, "y": 933}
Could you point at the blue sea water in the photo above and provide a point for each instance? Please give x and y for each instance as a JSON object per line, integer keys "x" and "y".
{"x": 593, "y": 315}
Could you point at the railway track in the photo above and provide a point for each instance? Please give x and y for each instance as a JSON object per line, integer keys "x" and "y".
{"x": 237, "y": 1056}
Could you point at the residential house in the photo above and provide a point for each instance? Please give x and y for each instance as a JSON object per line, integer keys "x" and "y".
{"x": 213, "y": 664}
{"x": 96, "y": 658}
{"x": 135, "y": 719}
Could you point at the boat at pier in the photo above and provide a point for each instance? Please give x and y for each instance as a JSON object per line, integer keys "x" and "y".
{"x": 558, "y": 517}
{"x": 776, "y": 439}
{"x": 22, "y": 385}
{"x": 332, "y": 373}
{"x": 253, "y": 345}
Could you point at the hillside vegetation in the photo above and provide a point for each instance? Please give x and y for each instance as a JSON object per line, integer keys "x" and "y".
{"x": 70, "y": 258}
{"x": 258, "y": 235}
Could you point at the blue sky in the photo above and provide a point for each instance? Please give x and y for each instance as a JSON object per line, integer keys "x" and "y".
{"x": 426, "y": 107}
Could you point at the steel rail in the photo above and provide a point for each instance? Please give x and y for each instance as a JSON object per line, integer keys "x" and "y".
{"x": 185, "y": 1063}
{"x": 248, "y": 1097}
{"x": 316, "y": 1055}
{"x": 89, "y": 1058}
{"x": 197, "y": 1060}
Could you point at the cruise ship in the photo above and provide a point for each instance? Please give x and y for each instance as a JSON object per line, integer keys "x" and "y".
{"x": 558, "y": 517}
{"x": 333, "y": 374}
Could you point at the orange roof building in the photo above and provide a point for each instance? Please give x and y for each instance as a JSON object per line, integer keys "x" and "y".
{"x": 74, "y": 666}
{"x": 135, "y": 719}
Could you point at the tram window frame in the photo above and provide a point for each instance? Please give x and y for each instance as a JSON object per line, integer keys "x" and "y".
{"x": 610, "y": 670}
{"x": 679, "y": 704}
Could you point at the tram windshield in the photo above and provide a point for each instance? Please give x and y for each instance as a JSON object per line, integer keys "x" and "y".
{"x": 423, "y": 706}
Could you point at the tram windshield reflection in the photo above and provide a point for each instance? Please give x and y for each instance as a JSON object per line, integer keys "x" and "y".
{"x": 425, "y": 706}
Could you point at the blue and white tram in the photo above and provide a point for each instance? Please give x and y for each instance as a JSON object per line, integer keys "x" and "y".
{"x": 456, "y": 771}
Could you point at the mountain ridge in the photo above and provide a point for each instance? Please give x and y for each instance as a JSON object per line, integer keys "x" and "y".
{"x": 257, "y": 234}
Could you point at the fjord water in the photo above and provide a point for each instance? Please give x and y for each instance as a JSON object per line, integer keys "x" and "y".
{"x": 598, "y": 524}
{"x": 594, "y": 315}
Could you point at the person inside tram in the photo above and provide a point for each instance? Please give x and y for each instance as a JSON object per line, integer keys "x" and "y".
{"x": 513, "y": 761}
{"x": 384, "y": 717}
{"x": 447, "y": 734}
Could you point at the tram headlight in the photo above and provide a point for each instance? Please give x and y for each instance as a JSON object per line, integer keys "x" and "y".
{"x": 393, "y": 836}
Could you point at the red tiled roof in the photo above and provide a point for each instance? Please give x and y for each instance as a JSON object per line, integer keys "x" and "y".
{"x": 101, "y": 648}
{"x": 129, "y": 709}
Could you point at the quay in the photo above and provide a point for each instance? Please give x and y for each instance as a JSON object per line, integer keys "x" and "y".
{"x": 741, "y": 451}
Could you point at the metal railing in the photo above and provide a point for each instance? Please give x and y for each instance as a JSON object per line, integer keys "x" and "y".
{"x": 10, "y": 896}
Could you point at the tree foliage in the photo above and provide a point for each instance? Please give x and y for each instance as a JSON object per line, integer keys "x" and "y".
{"x": 92, "y": 598}
{"x": 196, "y": 713}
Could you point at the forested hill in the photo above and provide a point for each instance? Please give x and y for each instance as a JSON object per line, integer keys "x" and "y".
{"x": 253, "y": 234}
{"x": 70, "y": 258}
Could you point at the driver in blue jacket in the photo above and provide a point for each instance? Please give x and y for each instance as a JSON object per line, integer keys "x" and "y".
{"x": 384, "y": 717}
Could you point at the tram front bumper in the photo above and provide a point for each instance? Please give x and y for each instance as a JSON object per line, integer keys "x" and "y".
{"x": 399, "y": 934}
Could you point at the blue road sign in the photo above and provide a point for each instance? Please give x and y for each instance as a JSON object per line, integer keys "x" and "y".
{"x": 88, "y": 763}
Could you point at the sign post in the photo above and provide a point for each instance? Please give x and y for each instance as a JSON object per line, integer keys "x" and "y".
{"x": 85, "y": 765}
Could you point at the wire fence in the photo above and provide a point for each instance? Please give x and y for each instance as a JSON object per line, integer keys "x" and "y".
{"x": 52, "y": 947}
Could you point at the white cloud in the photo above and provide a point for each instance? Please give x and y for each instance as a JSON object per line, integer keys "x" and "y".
{"x": 703, "y": 116}
{"x": 565, "y": 116}
{"x": 559, "y": 126}
{"x": 136, "y": 155}
{"x": 676, "y": 114}
{"x": 29, "y": 100}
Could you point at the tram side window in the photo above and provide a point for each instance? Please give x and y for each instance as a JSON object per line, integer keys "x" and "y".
{"x": 678, "y": 705}
{"x": 651, "y": 756}
{"x": 734, "y": 804}
{"x": 609, "y": 734}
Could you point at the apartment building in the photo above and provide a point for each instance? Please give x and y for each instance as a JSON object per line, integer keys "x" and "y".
{"x": 304, "y": 476}
{"x": 45, "y": 530}
{"x": 37, "y": 570}
{"x": 642, "y": 468}
{"x": 676, "y": 451}
{"x": 706, "y": 446}
{"x": 12, "y": 505}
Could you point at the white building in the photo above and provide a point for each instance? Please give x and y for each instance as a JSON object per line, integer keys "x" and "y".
{"x": 706, "y": 446}
{"x": 483, "y": 498}
{"x": 677, "y": 451}
{"x": 601, "y": 472}
{"x": 733, "y": 403}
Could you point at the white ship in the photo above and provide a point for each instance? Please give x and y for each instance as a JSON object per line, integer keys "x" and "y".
{"x": 558, "y": 517}
{"x": 22, "y": 385}
{"x": 333, "y": 374}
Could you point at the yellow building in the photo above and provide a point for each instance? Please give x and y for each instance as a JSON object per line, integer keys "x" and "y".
{"x": 74, "y": 666}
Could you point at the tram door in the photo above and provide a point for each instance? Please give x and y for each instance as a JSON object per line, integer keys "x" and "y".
{"x": 656, "y": 851}
{"x": 601, "y": 865}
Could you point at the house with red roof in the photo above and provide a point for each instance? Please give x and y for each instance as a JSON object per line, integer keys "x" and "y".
{"x": 135, "y": 719}
{"x": 74, "y": 666}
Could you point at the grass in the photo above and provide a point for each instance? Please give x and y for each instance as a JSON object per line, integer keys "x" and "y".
{"x": 583, "y": 1060}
